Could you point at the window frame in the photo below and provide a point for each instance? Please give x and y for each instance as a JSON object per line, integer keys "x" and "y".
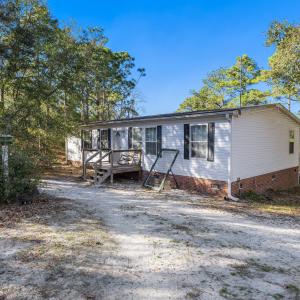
{"x": 101, "y": 139}
{"x": 135, "y": 142}
{"x": 87, "y": 140}
{"x": 151, "y": 141}
{"x": 192, "y": 153}
{"x": 291, "y": 141}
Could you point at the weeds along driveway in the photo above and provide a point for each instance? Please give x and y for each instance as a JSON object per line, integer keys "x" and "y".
{"x": 169, "y": 248}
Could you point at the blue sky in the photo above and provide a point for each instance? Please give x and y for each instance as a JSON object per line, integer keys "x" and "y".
{"x": 177, "y": 41}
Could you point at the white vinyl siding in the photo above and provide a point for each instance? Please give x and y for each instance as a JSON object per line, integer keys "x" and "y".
{"x": 173, "y": 138}
{"x": 73, "y": 149}
{"x": 260, "y": 143}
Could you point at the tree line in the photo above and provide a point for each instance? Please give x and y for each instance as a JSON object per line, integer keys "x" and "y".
{"x": 53, "y": 77}
{"x": 245, "y": 83}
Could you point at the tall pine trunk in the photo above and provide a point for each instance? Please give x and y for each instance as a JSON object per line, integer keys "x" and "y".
{"x": 2, "y": 94}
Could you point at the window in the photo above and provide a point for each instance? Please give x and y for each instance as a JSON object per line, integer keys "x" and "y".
{"x": 137, "y": 138}
{"x": 199, "y": 141}
{"x": 150, "y": 140}
{"x": 291, "y": 141}
{"x": 104, "y": 139}
{"x": 86, "y": 139}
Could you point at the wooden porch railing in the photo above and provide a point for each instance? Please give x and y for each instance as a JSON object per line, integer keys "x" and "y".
{"x": 116, "y": 159}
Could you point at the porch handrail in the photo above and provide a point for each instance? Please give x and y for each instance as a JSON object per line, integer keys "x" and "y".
{"x": 85, "y": 162}
{"x": 102, "y": 157}
{"x": 92, "y": 156}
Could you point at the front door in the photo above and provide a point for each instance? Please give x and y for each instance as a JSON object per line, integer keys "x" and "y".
{"x": 117, "y": 142}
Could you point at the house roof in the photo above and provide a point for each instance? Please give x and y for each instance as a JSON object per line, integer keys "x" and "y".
{"x": 190, "y": 114}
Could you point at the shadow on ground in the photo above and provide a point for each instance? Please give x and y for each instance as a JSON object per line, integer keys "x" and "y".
{"x": 127, "y": 243}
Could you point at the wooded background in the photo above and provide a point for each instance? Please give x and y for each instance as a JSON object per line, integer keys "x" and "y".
{"x": 54, "y": 77}
{"x": 245, "y": 82}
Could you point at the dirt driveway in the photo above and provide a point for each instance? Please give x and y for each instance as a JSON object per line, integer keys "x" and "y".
{"x": 169, "y": 246}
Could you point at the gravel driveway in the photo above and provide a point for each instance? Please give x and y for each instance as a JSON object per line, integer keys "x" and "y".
{"x": 169, "y": 247}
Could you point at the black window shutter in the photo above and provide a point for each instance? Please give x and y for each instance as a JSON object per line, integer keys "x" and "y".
{"x": 159, "y": 139}
{"x": 98, "y": 139}
{"x": 109, "y": 138}
{"x": 129, "y": 137}
{"x": 91, "y": 139}
{"x": 291, "y": 148}
{"x": 211, "y": 142}
{"x": 186, "y": 150}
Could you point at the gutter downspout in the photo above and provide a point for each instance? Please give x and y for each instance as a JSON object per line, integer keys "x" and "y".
{"x": 229, "y": 195}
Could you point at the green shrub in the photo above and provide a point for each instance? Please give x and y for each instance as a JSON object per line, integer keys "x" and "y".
{"x": 24, "y": 175}
{"x": 253, "y": 196}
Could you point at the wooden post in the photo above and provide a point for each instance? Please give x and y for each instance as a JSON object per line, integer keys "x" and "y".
{"x": 140, "y": 165}
{"x": 100, "y": 158}
{"x": 66, "y": 150}
{"x": 5, "y": 161}
{"x": 5, "y": 140}
{"x": 83, "y": 165}
{"x": 111, "y": 166}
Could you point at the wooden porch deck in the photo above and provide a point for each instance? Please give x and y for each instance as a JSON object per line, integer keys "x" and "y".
{"x": 117, "y": 168}
{"x": 107, "y": 163}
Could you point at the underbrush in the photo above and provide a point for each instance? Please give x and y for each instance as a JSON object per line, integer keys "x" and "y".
{"x": 254, "y": 197}
{"x": 23, "y": 179}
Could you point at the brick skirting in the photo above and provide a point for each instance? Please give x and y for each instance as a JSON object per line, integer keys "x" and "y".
{"x": 200, "y": 185}
{"x": 282, "y": 179}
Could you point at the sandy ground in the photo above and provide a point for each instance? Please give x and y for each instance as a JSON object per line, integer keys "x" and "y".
{"x": 52, "y": 250}
{"x": 127, "y": 243}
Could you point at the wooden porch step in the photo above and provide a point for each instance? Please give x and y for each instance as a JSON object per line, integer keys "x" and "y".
{"x": 101, "y": 176}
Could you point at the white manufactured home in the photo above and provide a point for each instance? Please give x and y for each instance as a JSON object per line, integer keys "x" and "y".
{"x": 226, "y": 151}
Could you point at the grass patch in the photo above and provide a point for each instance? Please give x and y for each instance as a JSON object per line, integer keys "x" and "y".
{"x": 247, "y": 268}
{"x": 275, "y": 202}
{"x": 183, "y": 228}
{"x": 193, "y": 294}
{"x": 282, "y": 209}
{"x": 294, "y": 289}
{"x": 227, "y": 294}
{"x": 242, "y": 270}
{"x": 278, "y": 296}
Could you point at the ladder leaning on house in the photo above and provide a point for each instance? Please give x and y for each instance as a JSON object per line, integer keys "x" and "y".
{"x": 161, "y": 169}
{"x": 112, "y": 162}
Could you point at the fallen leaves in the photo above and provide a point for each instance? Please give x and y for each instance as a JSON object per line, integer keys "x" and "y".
{"x": 40, "y": 205}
